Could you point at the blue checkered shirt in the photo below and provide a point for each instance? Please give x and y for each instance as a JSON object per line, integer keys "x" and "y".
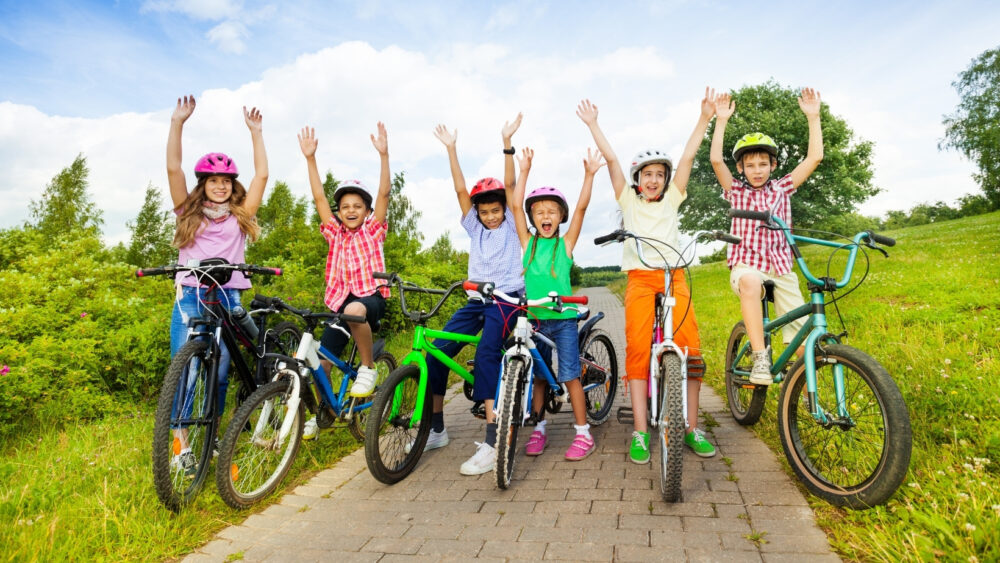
{"x": 495, "y": 255}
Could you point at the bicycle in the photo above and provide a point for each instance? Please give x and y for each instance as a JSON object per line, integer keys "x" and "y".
{"x": 187, "y": 407}
{"x": 668, "y": 362}
{"x": 262, "y": 440}
{"x": 857, "y": 453}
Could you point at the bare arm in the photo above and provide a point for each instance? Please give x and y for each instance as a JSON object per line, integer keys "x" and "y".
{"x": 308, "y": 144}
{"x": 516, "y": 204}
{"x": 724, "y": 109}
{"x": 449, "y": 139}
{"x": 809, "y": 102}
{"x": 255, "y": 192}
{"x": 591, "y": 165}
{"x": 509, "y": 128}
{"x": 588, "y": 113}
{"x": 684, "y": 165}
{"x": 175, "y": 175}
{"x": 381, "y": 144}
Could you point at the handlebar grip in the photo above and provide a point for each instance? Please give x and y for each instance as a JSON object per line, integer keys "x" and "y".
{"x": 608, "y": 238}
{"x": 763, "y": 216}
{"x": 147, "y": 272}
{"x": 731, "y": 239}
{"x": 352, "y": 318}
{"x": 383, "y": 275}
{"x": 486, "y": 288}
{"x": 577, "y": 299}
{"x": 881, "y": 239}
{"x": 264, "y": 270}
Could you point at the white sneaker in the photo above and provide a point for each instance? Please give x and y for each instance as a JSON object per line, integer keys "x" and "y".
{"x": 365, "y": 382}
{"x": 760, "y": 373}
{"x": 434, "y": 441}
{"x": 483, "y": 461}
{"x": 310, "y": 430}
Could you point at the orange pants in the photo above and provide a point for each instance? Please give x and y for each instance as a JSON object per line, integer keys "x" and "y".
{"x": 640, "y": 301}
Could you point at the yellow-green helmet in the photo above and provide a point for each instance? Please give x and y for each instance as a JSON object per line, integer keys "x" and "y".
{"x": 755, "y": 141}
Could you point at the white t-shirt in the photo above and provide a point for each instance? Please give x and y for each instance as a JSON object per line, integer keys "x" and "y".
{"x": 656, "y": 219}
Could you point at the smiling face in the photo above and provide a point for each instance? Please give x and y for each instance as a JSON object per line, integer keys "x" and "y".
{"x": 546, "y": 216}
{"x": 491, "y": 214}
{"x": 757, "y": 168}
{"x": 652, "y": 180}
{"x": 218, "y": 189}
{"x": 352, "y": 211}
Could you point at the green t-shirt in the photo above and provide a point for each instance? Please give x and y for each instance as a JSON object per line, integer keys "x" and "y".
{"x": 538, "y": 279}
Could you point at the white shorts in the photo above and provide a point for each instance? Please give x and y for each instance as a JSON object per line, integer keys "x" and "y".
{"x": 787, "y": 295}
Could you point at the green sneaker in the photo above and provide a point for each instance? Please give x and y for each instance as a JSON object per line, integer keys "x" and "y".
{"x": 639, "y": 451}
{"x": 698, "y": 444}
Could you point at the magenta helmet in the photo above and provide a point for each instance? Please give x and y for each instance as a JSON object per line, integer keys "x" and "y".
{"x": 215, "y": 163}
{"x": 546, "y": 193}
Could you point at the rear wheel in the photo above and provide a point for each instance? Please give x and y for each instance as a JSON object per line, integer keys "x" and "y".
{"x": 509, "y": 420}
{"x": 598, "y": 349}
{"x": 746, "y": 400}
{"x": 393, "y": 444}
{"x": 385, "y": 364}
{"x": 670, "y": 429}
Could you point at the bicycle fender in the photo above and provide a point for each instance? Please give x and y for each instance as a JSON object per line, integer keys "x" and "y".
{"x": 587, "y": 327}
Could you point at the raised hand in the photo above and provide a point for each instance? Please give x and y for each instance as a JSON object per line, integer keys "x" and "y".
{"x": 593, "y": 162}
{"x": 308, "y": 142}
{"x": 724, "y": 106}
{"x": 587, "y": 112}
{"x": 253, "y": 118}
{"x": 184, "y": 109}
{"x": 708, "y": 103}
{"x": 441, "y": 132}
{"x": 525, "y": 161}
{"x": 809, "y": 102}
{"x": 381, "y": 142}
{"x": 510, "y": 127}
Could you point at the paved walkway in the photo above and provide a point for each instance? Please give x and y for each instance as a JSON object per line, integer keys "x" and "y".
{"x": 603, "y": 508}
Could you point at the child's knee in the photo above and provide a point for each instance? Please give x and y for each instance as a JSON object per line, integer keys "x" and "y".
{"x": 750, "y": 287}
{"x": 356, "y": 308}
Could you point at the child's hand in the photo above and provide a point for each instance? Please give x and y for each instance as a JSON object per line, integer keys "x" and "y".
{"x": 587, "y": 112}
{"x": 253, "y": 118}
{"x": 441, "y": 132}
{"x": 593, "y": 162}
{"x": 184, "y": 109}
{"x": 809, "y": 102}
{"x": 708, "y": 103}
{"x": 381, "y": 142}
{"x": 308, "y": 142}
{"x": 724, "y": 106}
{"x": 525, "y": 161}
{"x": 509, "y": 128}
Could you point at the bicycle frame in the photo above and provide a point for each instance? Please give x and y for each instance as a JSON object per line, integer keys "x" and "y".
{"x": 423, "y": 338}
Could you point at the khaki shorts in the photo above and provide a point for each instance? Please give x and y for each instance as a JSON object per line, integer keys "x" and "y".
{"x": 787, "y": 295}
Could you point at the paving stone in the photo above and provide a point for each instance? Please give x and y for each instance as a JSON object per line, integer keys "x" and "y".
{"x": 579, "y": 552}
{"x": 645, "y": 554}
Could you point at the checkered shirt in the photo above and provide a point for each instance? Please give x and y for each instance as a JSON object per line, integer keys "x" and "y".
{"x": 763, "y": 249}
{"x": 495, "y": 255}
{"x": 353, "y": 256}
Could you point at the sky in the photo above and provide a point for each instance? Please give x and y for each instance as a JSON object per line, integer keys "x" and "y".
{"x": 101, "y": 79}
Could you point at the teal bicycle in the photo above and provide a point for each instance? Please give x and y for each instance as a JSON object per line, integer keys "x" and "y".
{"x": 843, "y": 423}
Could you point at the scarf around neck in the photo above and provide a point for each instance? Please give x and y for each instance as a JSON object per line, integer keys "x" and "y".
{"x": 215, "y": 211}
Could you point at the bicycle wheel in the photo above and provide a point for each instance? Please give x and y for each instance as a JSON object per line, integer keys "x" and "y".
{"x": 670, "y": 429}
{"x": 856, "y": 462}
{"x": 253, "y": 458}
{"x": 388, "y": 431}
{"x": 509, "y": 420}
{"x": 599, "y": 349}
{"x": 385, "y": 364}
{"x": 184, "y": 411}
{"x": 746, "y": 400}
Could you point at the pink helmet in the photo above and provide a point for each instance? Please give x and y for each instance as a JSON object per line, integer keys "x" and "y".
{"x": 546, "y": 193}
{"x": 215, "y": 163}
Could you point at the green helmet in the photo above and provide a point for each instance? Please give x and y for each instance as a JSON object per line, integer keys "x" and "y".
{"x": 755, "y": 141}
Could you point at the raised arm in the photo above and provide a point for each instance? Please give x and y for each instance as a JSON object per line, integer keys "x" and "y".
{"x": 516, "y": 203}
{"x": 175, "y": 175}
{"x": 724, "y": 109}
{"x": 809, "y": 102}
{"x": 449, "y": 139}
{"x": 381, "y": 144}
{"x": 308, "y": 144}
{"x": 591, "y": 165}
{"x": 588, "y": 113}
{"x": 509, "y": 128}
{"x": 255, "y": 192}
{"x": 684, "y": 165}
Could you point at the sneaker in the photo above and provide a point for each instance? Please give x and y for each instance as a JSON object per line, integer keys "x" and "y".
{"x": 698, "y": 444}
{"x": 435, "y": 440}
{"x": 536, "y": 444}
{"x": 760, "y": 373}
{"x": 310, "y": 430}
{"x": 581, "y": 447}
{"x": 639, "y": 451}
{"x": 483, "y": 461}
{"x": 365, "y": 382}
{"x": 187, "y": 462}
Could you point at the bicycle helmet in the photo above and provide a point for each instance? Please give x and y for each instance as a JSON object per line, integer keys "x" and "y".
{"x": 352, "y": 187}
{"x": 215, "y": 163}
{"x": 645, "y": 158}
{"x": 755, "y": 142}
{"x": 550, "y": 194}
{"x": 488, "y": 186}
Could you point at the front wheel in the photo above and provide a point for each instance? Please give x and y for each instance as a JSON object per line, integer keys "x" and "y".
{"x": 671, "y": 426}
{"x": 283, "y": 338}
{"x": 253, "y": 455}
{"x": 599, "y": 355}
{"x": 856, "y": 459}
{"x": 509, "y": 420}
{"x": 746, "y": 400}
{"x": 393, "y": 441}
{"x": 385, "y": 364}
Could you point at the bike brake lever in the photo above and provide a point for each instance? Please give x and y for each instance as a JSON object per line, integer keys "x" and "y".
{"x": 879, "y": 248}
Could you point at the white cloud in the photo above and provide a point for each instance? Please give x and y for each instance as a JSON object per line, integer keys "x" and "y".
{"x": 229, "y": 36}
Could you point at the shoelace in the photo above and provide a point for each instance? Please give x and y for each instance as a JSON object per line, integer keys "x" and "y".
{"x": 642, "y": 439}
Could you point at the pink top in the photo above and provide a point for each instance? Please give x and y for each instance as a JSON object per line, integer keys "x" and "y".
{"x": 763, "y": 249}
{"x": 353, "y": 257}
{"x": 217, "y": 240}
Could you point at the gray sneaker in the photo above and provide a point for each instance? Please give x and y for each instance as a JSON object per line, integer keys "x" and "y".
{"x": 188, "y": 463}
{"x": 760, "y": 374}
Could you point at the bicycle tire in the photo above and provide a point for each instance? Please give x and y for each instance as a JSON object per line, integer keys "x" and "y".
{"x": 670, "y": 429}
{"x": 385, "y": 364}
{"x": 174, "y": 487}
{"x": 599, "y": 348}
{"x": 252, "y": 462}
{"x": 745, "y": 403}
{"x": 387, "y": 434}
{"x": 856, "y": 467}
{"x": 509, "y": 420}
{"x": 283, "y": 338}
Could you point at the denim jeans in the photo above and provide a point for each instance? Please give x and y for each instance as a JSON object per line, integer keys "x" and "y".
{"x": 563, "y": 333}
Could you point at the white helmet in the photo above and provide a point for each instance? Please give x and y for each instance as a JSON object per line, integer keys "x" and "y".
{"x": 647, "y": 157}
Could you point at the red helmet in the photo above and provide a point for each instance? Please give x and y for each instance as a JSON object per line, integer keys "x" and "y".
{"x": 488, "y": 186}
{"x": 215, "y": 163}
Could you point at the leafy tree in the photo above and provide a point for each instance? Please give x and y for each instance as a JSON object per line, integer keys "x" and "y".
{"x": 839, "y": 184}
{"x": 152, "y": 233}
{"x": 974, "y": 128}
{"x": 402, "y": 244}
{"x": 65, "y": 206}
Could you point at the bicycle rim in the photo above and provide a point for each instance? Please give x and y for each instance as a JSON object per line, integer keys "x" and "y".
{"x": 393, "y": 445}
{"x": 670, "y": 430}
{"x": 600, "y": 399}
{"x": 746, "y": 401}
{"x": 509, "y": 421}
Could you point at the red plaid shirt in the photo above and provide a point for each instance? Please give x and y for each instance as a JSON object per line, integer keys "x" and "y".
{"x": 353, "y": 256}
{"x": 762, "y": 249}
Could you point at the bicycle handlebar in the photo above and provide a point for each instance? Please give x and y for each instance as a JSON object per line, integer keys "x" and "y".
{"x": 881, "y": 239}
{"x": 278, "y": 303}
{"x": 617, "y": 236}
{"x": 762, "y": 216}
{"x": 174, "y": 269}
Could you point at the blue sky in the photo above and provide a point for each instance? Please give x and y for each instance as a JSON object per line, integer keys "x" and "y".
{"x": 100, "y": 79}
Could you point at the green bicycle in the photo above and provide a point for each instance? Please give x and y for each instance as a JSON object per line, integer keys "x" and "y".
{"x": 843, "y": 423}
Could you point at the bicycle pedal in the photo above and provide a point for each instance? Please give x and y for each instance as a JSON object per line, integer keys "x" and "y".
{"x": 478, "y": 410}
{"x": 625, "y": 415}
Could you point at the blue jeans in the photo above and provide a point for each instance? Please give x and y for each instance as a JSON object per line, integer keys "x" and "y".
{"x": 188, "y": 306}
{"x": 563, "y": 333}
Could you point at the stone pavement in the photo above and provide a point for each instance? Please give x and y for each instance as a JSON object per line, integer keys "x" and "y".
{"x": 603, "y": 508}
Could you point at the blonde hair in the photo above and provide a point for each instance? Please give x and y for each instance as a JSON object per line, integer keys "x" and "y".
{"x": 192, "y": 221}
{"x": 534, "y": 246}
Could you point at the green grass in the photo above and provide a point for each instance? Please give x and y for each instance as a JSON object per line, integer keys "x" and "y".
{"x": 930, "y": 314}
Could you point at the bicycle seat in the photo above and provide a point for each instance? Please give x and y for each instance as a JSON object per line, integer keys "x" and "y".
{"x": 769, "y": 291}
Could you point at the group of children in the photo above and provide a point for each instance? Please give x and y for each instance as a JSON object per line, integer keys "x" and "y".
{"x": 518, "y": 244}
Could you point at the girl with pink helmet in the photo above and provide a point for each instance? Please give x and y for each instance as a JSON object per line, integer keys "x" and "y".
{"x": 547, "y": 261}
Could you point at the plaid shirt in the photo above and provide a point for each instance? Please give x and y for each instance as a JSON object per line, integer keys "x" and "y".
{"x": 762, "y": 249}
{"x": 353, "y": 256}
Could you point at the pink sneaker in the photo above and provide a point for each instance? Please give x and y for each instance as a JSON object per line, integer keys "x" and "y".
{"x": 581, "y": 447}
{"x": 536, "y": 444}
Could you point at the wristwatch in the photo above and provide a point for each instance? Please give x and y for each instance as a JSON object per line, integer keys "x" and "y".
{"x": 509, "y": 151}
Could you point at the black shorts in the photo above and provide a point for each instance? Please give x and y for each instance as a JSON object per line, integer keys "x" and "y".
{"x": 334, "y": 340}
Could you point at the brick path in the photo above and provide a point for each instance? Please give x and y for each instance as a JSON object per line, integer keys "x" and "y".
{"x": 603, "y": 508}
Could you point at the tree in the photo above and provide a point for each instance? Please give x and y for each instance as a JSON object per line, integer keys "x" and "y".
{"x": 402, "y": 244}
{"x": 839, "y": 184}
{"x": 65, "y": 206}
{"x": 152, "y": 233}
{"x": 974, "y": 128}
